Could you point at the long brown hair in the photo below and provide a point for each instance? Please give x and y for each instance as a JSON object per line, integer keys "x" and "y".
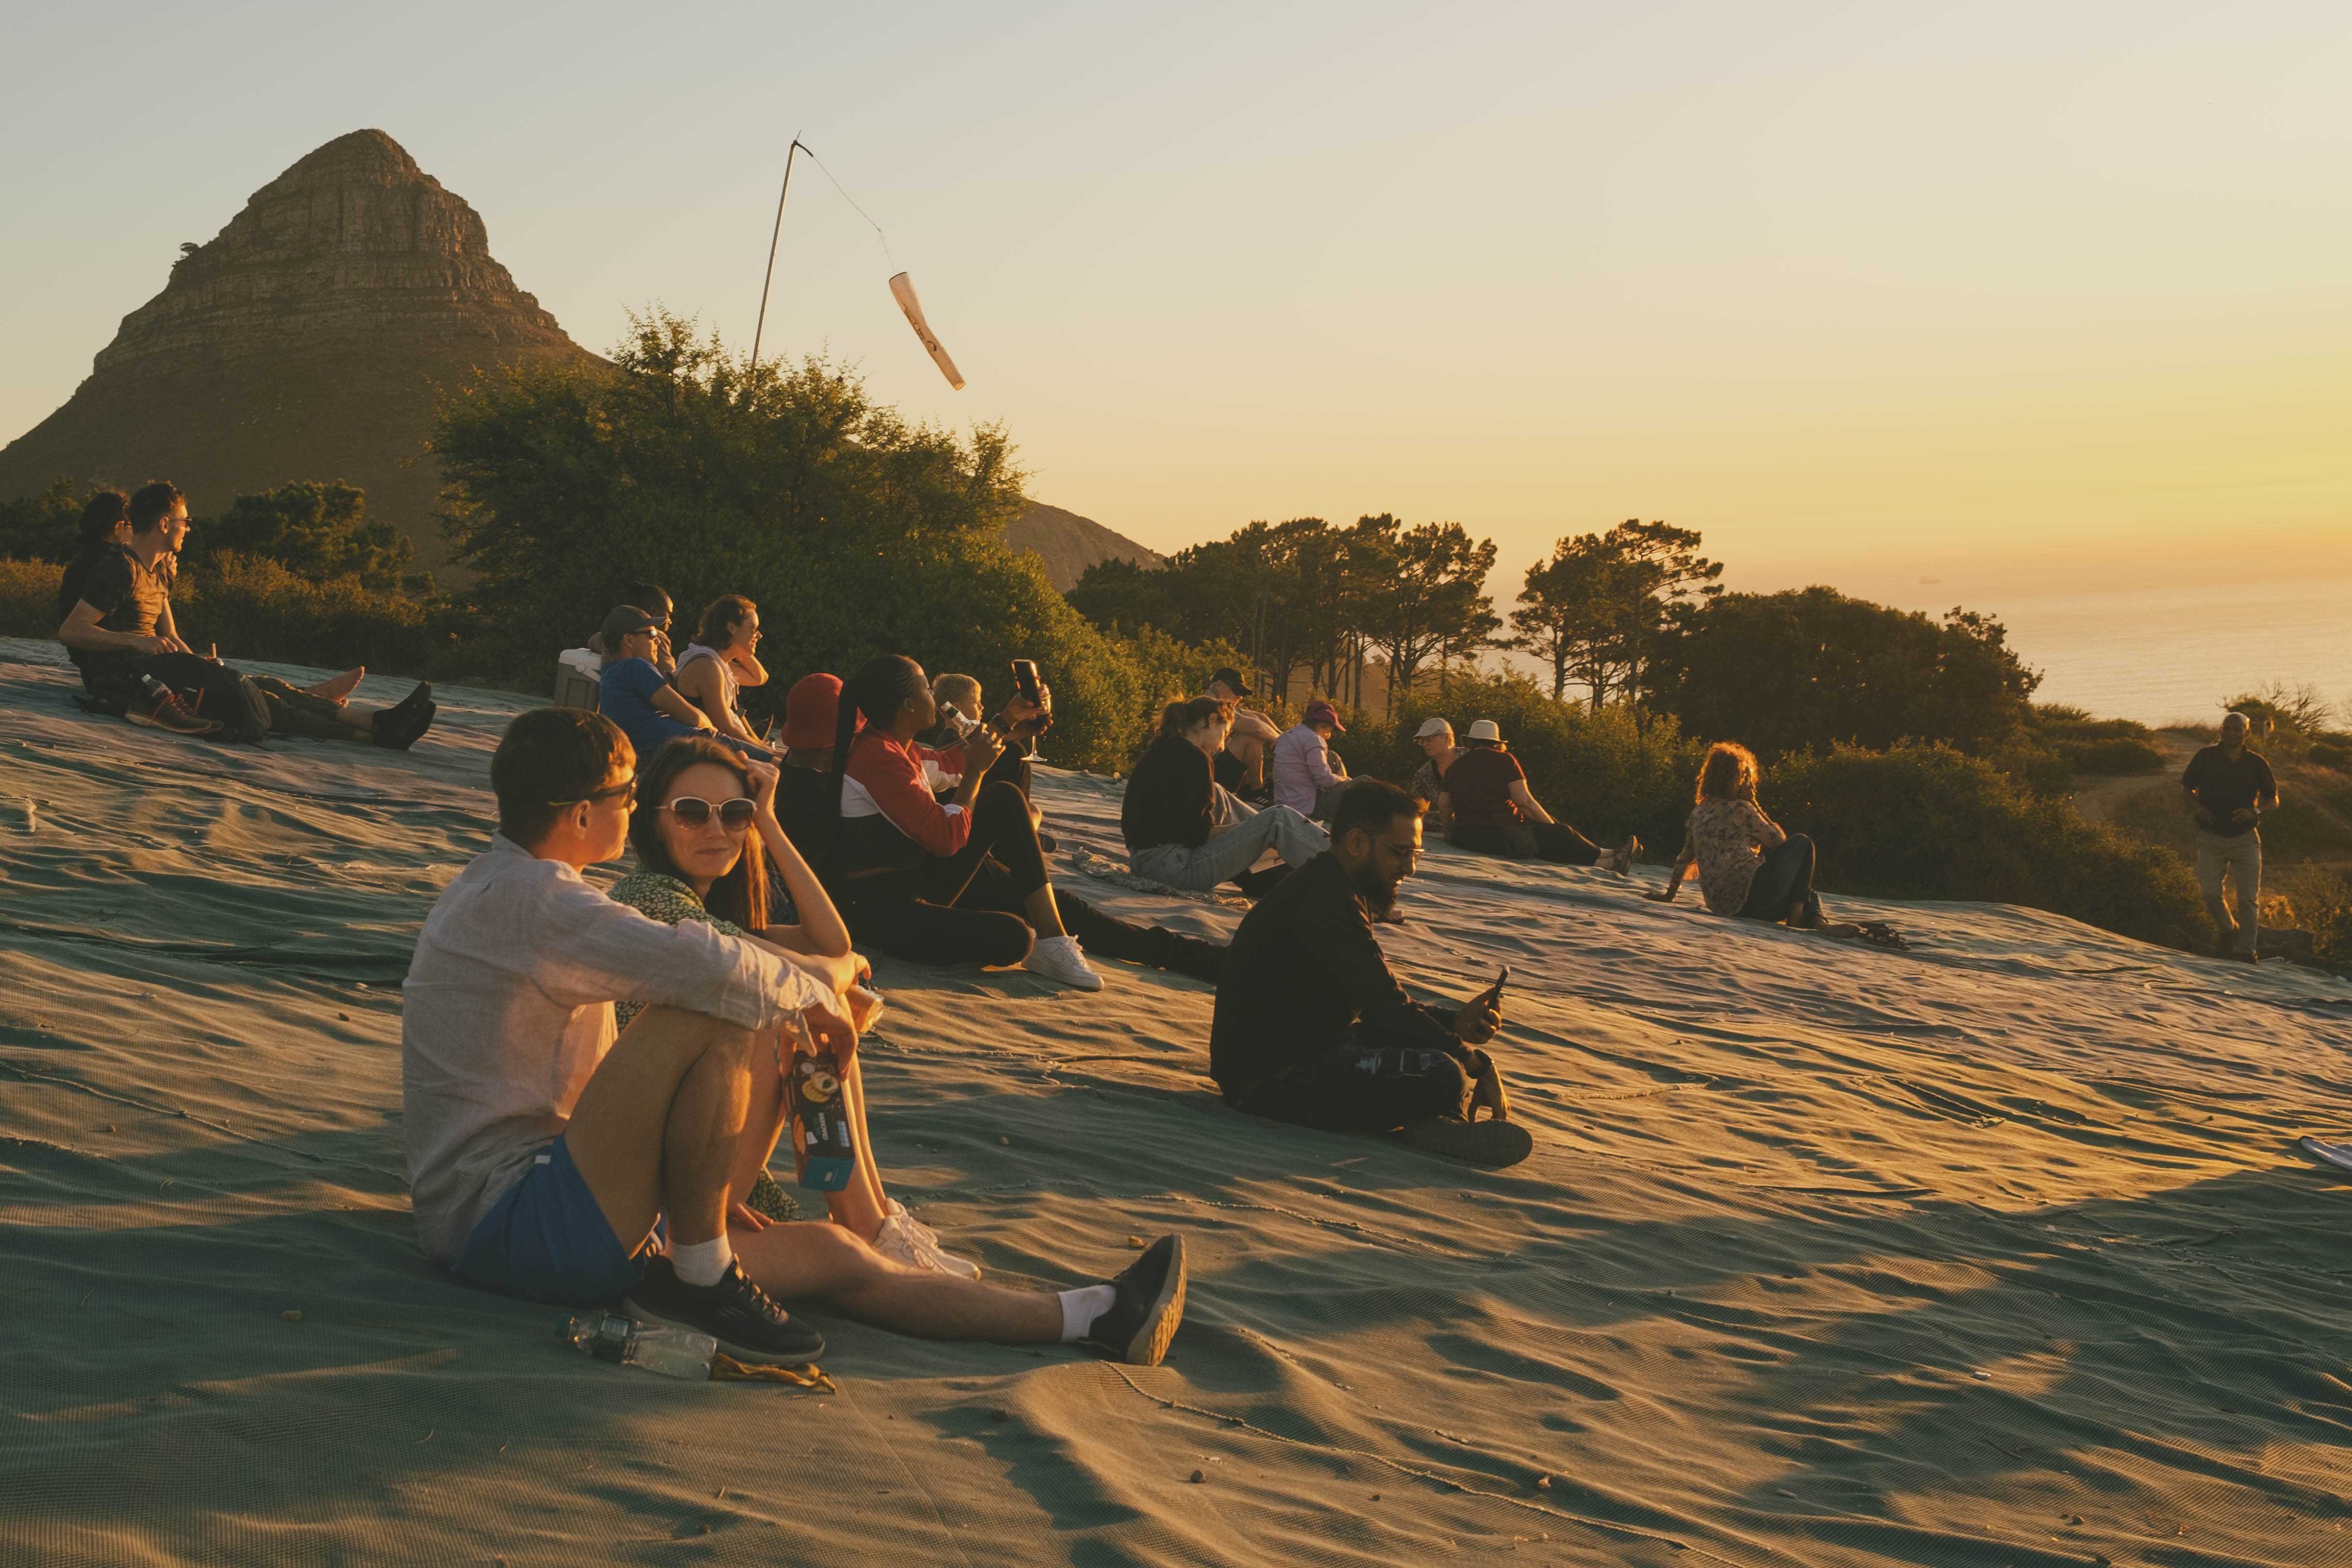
{"x": 1191, "y": 712}
{"x": 719, "y": 619}
{"x": 1729, "y": 771}
{"x": 741, "y": 895}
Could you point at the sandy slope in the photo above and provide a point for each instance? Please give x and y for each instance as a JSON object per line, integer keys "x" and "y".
{"x": 1787, "y": 1201}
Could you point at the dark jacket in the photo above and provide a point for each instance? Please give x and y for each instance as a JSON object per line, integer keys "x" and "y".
{"x": 1170, "y": 796}
{"x": 1304, "y": 967}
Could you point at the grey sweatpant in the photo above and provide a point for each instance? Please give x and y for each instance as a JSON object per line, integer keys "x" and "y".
{"x": 1243, "y": 834}
{"x": 2241, "y": 857}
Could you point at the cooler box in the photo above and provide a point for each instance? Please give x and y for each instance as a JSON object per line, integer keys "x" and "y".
{"x": 576, "y": 674}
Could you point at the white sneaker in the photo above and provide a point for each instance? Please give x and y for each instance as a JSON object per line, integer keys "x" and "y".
{"x": 897, "y": 1211}
{"x": 901, "y": 1240}
{"x": 1061, "y": 958}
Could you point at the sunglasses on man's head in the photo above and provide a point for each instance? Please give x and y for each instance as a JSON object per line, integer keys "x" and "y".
{"x": 734, "y": 815}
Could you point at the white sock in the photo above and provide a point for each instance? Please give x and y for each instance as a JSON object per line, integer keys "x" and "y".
{"x": 1081, "y": 1306}
{"x": 701, "y": 1262}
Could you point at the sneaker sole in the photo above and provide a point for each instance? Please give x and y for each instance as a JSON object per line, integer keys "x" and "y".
{"x": 1149, "y": 1345}
{"x": 1494, "y": 1144}
{"x": 744, "y": 1353}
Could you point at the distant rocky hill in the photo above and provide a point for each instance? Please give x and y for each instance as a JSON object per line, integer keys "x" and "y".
{"x": 302, "y": 343}
{"x": 1069, "y": 543}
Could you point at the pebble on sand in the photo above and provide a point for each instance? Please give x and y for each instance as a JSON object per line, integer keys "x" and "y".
{"x": 1199, "y": 1476}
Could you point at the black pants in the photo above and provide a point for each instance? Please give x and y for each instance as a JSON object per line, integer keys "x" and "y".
{"x": 1368, "y": 1085}
{"x": 1784, "y": 877}
{"x": 117, "y": 677}
{"x": 1554, "y": 841}
{"x": 292, "y": 712}
{"x": 972, "y": 907}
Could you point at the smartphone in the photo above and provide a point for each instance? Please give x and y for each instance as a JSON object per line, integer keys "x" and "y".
{"x": 1494, "y": 996}
{"x": 1024, "y": 681}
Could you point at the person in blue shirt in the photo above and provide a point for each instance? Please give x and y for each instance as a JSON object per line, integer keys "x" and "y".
{"x": 634, "y": 694}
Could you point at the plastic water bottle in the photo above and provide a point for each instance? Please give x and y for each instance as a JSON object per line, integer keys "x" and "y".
{"x": 656, "y": 1347}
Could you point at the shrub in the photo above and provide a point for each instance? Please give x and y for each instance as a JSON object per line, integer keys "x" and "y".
{"x": 2332, "y": 751}
{"x": 257, "y": 609}
{"x": 1926, "y": 822}
{"x": 28, "y": 598}
{"x": 2319, "y": 900}
{"x": 2119, "y": 757}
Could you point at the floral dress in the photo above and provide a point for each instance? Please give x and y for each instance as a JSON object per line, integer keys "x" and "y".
{"x": 1726, "y": 838}
{"x": 660, "y": 897}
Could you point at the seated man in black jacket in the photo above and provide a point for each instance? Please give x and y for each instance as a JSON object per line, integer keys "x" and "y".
{"x": 1312, "y": 1028}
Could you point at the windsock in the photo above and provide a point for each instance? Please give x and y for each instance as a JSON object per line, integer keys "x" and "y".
{"x": 903, "y": 291}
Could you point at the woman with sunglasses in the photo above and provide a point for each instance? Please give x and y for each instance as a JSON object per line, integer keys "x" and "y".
{"x": 698, "y": 806}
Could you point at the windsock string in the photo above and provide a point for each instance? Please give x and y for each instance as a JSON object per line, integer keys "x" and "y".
{"x": 853, "y": 203}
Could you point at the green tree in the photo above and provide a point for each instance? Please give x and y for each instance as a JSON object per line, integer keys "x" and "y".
{"x": 855, "y": 530}
{"x": 42, "y": 526}
{"x": 318, "y": 532}
{"x": 1804, "y": 670}
{"x": 1418, "y": 593}
{"x": 1597, "y": 611}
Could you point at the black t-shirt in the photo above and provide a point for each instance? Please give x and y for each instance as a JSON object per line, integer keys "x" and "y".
{"x": 800, "y": 809}
{"x": 2224, "y": 787}
{"x": 1479, "y": 784}
{"x": 127, "y": 596}
{"x": 1171, "y": 798}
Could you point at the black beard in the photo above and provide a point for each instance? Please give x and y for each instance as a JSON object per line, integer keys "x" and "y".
{"x": 1378, "y": 893}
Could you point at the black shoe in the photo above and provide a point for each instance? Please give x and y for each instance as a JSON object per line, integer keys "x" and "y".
{"x": 1148, "y": 1306}
{"x": 1048, "y": 843}
{"x": 419, "y": 697}
{"x": 1488, "y": 1142}
{"x": 397, "y": 729}
{"x": 743, "y": 1319}
{"x": 1255, "y": 885}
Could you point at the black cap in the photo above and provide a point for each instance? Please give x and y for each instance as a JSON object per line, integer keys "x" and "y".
{"x": 1230, "y": 679}
{"x": 624, "y": 621}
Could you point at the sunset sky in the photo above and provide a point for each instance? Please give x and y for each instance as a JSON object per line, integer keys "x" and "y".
{"x": 1990, "y": 293}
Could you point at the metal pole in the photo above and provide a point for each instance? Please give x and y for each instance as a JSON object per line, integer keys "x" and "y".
{"x": 768, "y": 280}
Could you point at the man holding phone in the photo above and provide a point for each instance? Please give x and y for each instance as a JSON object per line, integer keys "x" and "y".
{"x": 1312, "y": 1028}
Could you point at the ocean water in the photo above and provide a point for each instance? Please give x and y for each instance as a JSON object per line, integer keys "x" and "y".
{"x": 2163, "y": 655}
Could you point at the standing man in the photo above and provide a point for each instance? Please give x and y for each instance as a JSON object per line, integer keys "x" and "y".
{"x": 1242, "y": 767}
{"x": 1310, "y": 1028}
{"x": 1305, "y": 778}
{"x": 2229, "y": 787}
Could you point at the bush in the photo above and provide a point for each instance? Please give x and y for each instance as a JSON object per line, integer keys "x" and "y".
{"x": 28, "y": 598}
{"x": 2120, "y": 757}
{"x": 2319, "y": 900}
{"x": 257, "y": 609}
{"x": 1926, "y": 822}
{"x": 2332, "y": 751}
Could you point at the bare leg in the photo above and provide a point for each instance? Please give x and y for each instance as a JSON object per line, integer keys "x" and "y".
{"x": 1045, "y": 915}
{"x": 825, "y": 1264}
{"x": 861, "y": 1205}
{"x": 656, "y": 1126}
{"x": 337, "y": 688}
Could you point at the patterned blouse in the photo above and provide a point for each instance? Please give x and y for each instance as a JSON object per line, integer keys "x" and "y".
{"x": 662, "y": 897}
{"x": 1726, "y": 838}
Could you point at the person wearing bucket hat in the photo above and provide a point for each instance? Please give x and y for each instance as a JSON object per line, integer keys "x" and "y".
{"x": 1436, "y": 739}
{"x": 1307, "y": 777}
{"x": 1493, "y": 812}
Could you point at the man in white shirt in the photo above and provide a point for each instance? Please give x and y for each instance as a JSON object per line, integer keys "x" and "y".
{"x": 543, "y": 1149}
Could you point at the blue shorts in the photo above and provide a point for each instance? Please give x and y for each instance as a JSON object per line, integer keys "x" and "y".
{"x": 546, "y": 1239}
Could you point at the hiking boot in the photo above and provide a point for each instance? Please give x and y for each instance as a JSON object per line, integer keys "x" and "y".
{"x": 168, "y": 712}
{"x": 1148, "y": 1303}
{"x": 743, "y": 1319}
{"x": 1061, "y": 958}
{"x": 1488, "y": 1142}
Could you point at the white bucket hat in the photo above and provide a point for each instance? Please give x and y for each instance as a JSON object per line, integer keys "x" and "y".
{"x": 1485, "y": 730}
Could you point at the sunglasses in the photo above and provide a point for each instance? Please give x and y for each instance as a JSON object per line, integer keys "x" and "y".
{"x": 627, "y": 789}
{"x": 734, "y": 815}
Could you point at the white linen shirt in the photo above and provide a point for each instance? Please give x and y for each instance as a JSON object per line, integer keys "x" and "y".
{"x": 507, "y": 1007}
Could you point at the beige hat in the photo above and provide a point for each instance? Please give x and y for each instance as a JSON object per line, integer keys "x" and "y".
{"x": 1432, "y": 727}
{"x": 1485, "y": 730}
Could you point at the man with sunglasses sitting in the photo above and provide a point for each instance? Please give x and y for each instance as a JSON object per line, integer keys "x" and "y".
{"x": 635, "y": 694}
{"x": 543, "y": 1148}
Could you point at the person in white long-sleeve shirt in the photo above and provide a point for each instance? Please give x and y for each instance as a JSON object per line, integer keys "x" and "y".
{"x": 1304, "y": 778}
{"x": 545, "y": 1148}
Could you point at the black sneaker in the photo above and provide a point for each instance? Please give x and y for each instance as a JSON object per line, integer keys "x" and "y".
{"x": 416, "y": 698}
{"x": 397, "y": 729}
{"x": 1148, "y": 1306}
{"x": 1488, "y": 1142}
{"x": 743, "y": 1319}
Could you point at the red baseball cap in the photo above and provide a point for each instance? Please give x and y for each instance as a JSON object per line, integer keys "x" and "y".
{"x": 1321, "y": 712}
{"x": 811, "y": 709}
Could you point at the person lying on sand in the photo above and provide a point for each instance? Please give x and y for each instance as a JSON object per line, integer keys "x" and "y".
{"x": 963, "y": 882}
{"x": 1310, "y": 1026}
{"x": 543, "y": 1150}
{"x": 1185, "y": 829}
{"x": 698, "y": 806}
{"x": 116, "y": 607}
{"x": 1484, "y": 796}
{"x": 1746, "y": 864}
